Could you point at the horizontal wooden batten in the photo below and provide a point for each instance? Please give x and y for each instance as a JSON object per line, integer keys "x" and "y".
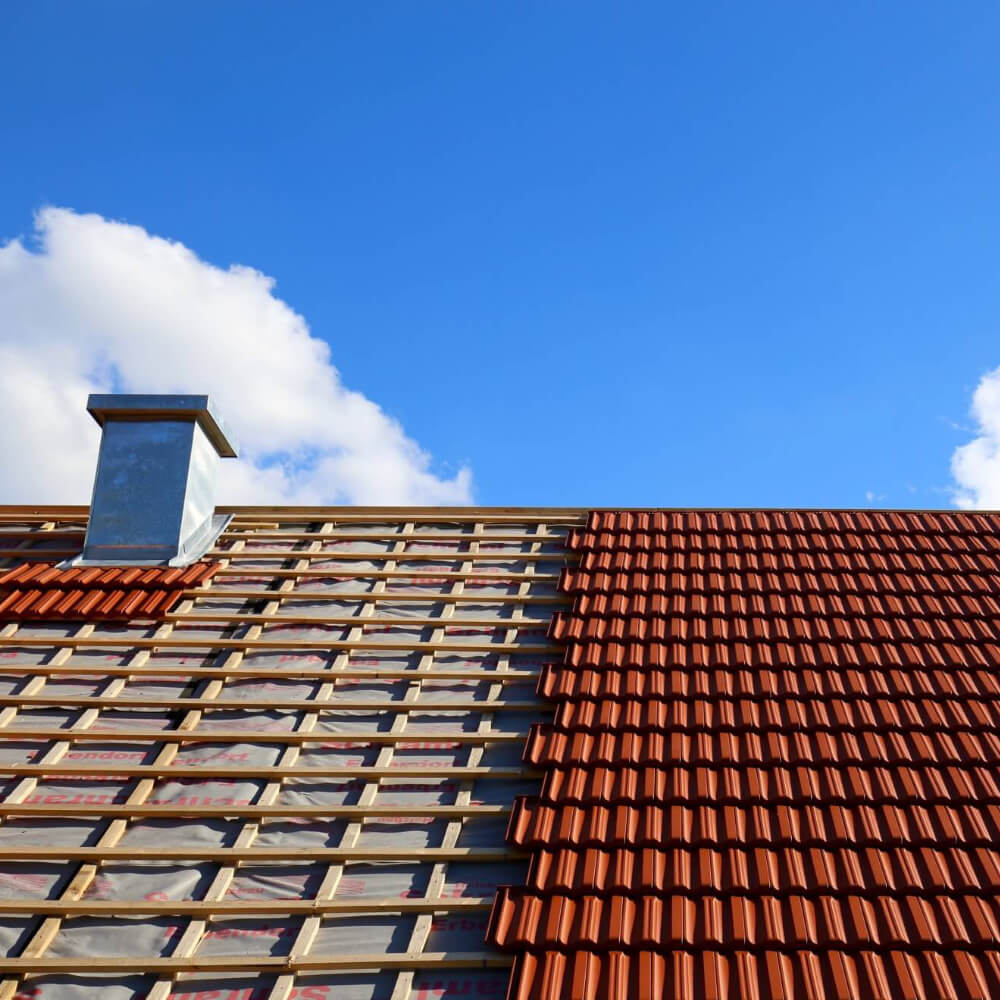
{"x": 273, "y": 964}
{"x": 484, "y": 576}
{"x": 353, "y": 813}
{"x": 243, "y": 556}
{"x": 270, "y": 704}
{"x": 280, "y": 645}
{"x": 305, "y": 513}
{"x": 262, "y": 855}
{"x": 252, "y": 736}
{"x": 370, "y": 597}
{"x": 270, "y": 673}
{"x": 434, "y": 575}
{"x": 355, "y": 621}
{"x": 248, "y": 535}
{"x": 241, "y": 534}
{"x": 359, "y": 773}
{"x": 379, "y": 515}
{"x": 222, "y": 909}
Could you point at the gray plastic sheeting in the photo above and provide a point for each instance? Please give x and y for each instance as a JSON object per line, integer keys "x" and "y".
{"x": 146, "y": 936}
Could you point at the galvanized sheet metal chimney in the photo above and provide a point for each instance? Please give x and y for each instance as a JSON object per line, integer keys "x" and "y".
{"x": 154, "y": 491}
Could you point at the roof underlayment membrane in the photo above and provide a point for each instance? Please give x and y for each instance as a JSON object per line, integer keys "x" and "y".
{"x": 275, "y": 845}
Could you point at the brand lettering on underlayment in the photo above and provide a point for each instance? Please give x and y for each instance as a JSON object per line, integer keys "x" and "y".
{"x": 239, "y": 932}
{"x": 255, "y": 993}
{"x": 456, "y": 987}
{"x": 140, "y": 754}
{"x": 96, "y": 798}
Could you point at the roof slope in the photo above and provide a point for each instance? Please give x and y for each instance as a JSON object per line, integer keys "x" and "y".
{"x": 774, "y": 767}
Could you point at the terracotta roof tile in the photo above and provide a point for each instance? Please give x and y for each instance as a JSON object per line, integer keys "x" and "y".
{"x": 523, "y": 919}
{"x": 39, "y": 590}
{"x": 757, "y": 975}
{"x": 774, "y": 764}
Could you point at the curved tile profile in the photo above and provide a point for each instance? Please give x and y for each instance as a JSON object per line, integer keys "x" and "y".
{"x": 43, "y": 591}
{"x": 773, "y": 769}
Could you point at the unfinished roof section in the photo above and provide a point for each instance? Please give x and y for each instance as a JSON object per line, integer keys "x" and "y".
{"x": 294, "y": 783}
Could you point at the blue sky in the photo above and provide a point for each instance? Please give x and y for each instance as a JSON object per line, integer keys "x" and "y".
{"x": 637, "y": 254}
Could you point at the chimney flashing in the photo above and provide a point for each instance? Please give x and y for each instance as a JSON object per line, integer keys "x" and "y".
{"x": 154, "y": 489}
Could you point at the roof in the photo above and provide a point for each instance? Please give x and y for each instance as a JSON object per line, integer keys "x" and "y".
{"x": 772, "y": 770}
{"x": 692, "y": 754}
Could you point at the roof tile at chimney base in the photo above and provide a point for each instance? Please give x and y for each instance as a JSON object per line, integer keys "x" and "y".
{"x": 44, "y": 591}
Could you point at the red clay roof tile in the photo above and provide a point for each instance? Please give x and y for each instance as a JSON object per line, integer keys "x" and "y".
{"x": 744, "y": 974}
{"x": 529, "y": 920}
{"x": 774, "y": 765}
{"x": 37, "y": 590}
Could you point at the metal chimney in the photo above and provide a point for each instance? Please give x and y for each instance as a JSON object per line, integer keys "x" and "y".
{"x": 154, "y": 491}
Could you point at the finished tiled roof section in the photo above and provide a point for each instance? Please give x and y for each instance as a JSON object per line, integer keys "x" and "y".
{"x": 774, "y": 767}
{"x": 41, "y": 590}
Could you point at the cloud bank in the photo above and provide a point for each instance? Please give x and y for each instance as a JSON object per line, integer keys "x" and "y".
{"x": 101, "y": 306}
{"x": 976, "y": 466}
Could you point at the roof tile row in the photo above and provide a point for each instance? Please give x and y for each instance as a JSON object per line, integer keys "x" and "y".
{"x": 848, "y": 561}
{"x": 536, "y": 921}
{"x": 627, "y": 525}
{"x": 547, "y": 747}
{"x": 539, "y": 824}
{"x": 802, "y": 654}
{"x": 757, "y": 975}
{"x": 944, "y": 869}
{"x": 747, "y": 540}
{"x": 772, "y": 628}
{"x": 562, "y": 683}
{"x": 686, "y": 605}
{"x": 780, "y": 713}
{"x": 874, "y": 583}
{"x": 878, "y": 782}
{"x": 37, "y": 590}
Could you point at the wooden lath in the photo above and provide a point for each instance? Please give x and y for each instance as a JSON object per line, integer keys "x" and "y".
{"x": 283, "y": 673}
{"x": 230, "y": 909}
{"x": 180, "y": 772}
{"x": 260, "y": 855}
{"x": 344, "y": 555}
{"x": 254, "y": 644}
{"x": 256, "y": 736}
{"x": 272, "y": 812}
{"x": 376, "y": 597}
{"x": 432, "y": 573}
{"x": 271, "y": 964}
{"x": 289, "y": 618}
{"x": 275, "y": 704}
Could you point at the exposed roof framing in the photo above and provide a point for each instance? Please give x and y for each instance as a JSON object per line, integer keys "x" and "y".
{"x": 376, "y": 695}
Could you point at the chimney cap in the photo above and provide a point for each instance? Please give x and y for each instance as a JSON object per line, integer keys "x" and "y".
{"x": 114, "y": 406}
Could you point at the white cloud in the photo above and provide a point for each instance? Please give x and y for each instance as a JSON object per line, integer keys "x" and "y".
{"x": 101, "y": 306}
{"x": 976, "y": 466}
